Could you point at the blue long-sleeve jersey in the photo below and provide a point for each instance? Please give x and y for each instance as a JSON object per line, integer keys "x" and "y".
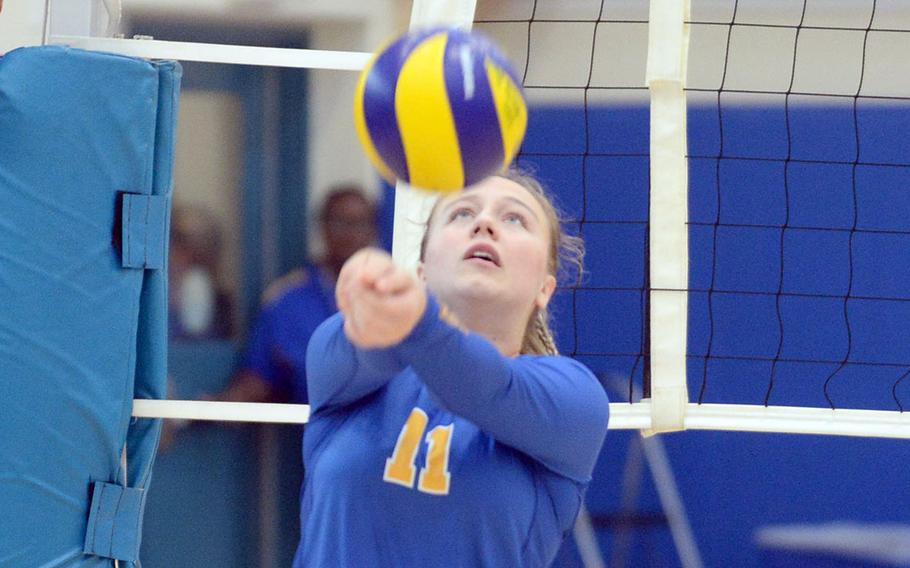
{"x": 442, "y": 452}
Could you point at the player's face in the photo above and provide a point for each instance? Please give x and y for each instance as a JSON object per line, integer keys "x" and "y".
{"x": 491, "y": 241}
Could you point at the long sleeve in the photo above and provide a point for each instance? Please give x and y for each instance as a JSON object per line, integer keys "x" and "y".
{"x": 339, "y": 373}
{"x": 549, "y": 407}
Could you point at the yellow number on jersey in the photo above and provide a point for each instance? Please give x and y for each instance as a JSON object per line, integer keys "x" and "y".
{"x": 434, "y": 476}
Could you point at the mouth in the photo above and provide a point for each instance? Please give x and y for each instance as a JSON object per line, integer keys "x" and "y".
{"x": 482, "y": 253}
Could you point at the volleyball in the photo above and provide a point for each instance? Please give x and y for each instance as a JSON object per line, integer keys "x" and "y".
{"x": 440, "y": 109}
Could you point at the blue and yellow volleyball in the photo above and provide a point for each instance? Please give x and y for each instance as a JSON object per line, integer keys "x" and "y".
{"x": 440, "y": 109}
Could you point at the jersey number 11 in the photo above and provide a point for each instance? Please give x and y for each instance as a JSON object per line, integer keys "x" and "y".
{"x": 400, "y": 468}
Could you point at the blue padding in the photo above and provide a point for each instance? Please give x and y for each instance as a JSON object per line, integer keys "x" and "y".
{"x": 151, "y": 334}
{"x": 80, "y": 335}
{"x": 115, "y": 522}
{"x": 145, "y": 237}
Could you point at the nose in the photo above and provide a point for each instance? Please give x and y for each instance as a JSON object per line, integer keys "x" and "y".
{"x": 483, "y": 224}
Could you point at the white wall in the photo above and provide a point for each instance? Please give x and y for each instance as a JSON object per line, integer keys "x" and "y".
{"x": 335, "y": 153}
{"x": 21, "y": 24}
{"x": 208, "y": 169}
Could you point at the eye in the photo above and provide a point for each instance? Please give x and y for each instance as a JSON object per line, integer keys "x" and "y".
{"x": 515, "y": 219}
{"x": 461, "y": 213}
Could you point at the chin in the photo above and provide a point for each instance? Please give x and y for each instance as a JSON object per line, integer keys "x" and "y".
{"x": 470, "y": 289}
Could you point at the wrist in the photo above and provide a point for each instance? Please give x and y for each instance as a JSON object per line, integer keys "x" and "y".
{"x": 428, "y": 316}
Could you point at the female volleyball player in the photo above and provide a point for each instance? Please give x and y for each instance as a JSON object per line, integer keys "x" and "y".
{"x": 445, "y": 430}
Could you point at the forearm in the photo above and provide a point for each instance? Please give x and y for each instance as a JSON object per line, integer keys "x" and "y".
{"x": 338, "y": 372}
{"x": 463, "y": 369}
{"x": 551, "y": 408}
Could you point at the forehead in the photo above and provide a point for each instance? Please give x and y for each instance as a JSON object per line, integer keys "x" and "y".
{"x": 347, "y": 204}
{"x": 494, "y": 190}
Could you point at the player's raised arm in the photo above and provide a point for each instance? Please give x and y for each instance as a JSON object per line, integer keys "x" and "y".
{"x": 551, "y": 408}
{"x": 379, "y": 304}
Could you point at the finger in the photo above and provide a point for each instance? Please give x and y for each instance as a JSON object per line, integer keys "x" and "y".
{"x": 353, "y": 267}
{"x": 368, "y": 304}
{"x": 375, "y": 266}
{"x": 342, "y": 286}
{"x": 342, "y": 299}
{"x": 346, "y": 291}
{"x": 395, "y": 282}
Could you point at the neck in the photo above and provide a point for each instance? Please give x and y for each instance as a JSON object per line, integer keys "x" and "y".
{"x": 504, "y": 326}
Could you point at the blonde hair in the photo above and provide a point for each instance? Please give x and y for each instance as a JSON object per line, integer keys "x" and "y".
{"x": 565, "y": 252}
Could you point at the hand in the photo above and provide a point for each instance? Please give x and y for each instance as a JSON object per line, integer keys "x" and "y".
{"x": 380, "y": 301}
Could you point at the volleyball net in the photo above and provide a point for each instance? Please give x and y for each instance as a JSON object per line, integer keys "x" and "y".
{"x": 739, "y": 172}
{"x": 791, "y": 197}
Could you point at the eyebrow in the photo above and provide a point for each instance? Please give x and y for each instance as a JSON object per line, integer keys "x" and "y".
{"x": 454, "y": 202}
{"x": 523, "y": 204}
{"x": 474, "y": 199}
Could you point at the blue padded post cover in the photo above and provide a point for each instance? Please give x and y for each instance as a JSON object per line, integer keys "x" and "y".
{"x": 81, "y": 332}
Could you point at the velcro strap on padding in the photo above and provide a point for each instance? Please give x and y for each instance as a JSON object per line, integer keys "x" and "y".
{"x": 115, "y": 522}
{"x": 144, "y": 239}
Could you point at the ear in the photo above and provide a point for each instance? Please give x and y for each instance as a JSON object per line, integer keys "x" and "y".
{"x": 545, "y": 292}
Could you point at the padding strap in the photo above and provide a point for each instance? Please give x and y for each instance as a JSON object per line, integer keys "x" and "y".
{"x": 115, "y": 522}
{"x": 144, "y": 238}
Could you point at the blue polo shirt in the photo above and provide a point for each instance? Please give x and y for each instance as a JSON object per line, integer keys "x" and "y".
{"x": 293, "y": 308}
